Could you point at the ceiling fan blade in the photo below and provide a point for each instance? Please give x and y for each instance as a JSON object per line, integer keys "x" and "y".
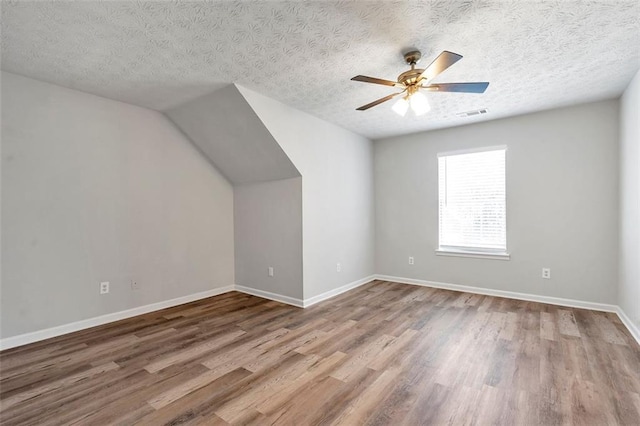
{"x": 441, "y": 63}
{"x": 379, "y": 101}
{"x": 374, "y": 80}
{"x": 478, "y": 87}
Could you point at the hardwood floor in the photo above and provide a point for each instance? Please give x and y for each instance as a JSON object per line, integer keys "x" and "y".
{"x": 382, "y": 354}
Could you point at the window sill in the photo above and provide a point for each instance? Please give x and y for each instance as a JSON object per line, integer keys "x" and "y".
{"x": 475, "y": 254}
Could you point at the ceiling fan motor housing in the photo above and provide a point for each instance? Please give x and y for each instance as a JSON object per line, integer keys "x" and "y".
{"x": 409, "y": 78}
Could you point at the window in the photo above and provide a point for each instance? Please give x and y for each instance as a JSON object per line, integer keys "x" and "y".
{"x": 472, "y": 203}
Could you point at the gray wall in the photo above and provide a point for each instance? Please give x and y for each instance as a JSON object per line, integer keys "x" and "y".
{"x": 629, "y": 280}
{"x": 337, "y": 193}
{"x": 97, "y": 190}
{"x": 268, "y": 232}
{"x": 562, "y": 204}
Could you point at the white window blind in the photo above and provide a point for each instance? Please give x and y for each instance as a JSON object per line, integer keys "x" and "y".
{"x": 472, "y": 201}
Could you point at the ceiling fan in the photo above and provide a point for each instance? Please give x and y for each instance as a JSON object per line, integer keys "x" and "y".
{"x": 413, "y": 81}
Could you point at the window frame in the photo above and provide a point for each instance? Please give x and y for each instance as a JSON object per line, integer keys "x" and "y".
{"x": 468, "y": 251}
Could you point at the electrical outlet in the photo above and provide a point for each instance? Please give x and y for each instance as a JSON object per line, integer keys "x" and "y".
{"x": 338, "y": 267}
{"x": 546, "y": 273}
{"x": 411, "y": 261}
{"x": 104, "y": 287}
{"x": 134, "y": 285}
{"x": 270, "y": 271}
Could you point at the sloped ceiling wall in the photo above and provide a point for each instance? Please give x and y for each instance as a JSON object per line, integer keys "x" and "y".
{"x": 267, "y": 189}
{"x": 230, "y": 134}
{"x": 337, "y": 193}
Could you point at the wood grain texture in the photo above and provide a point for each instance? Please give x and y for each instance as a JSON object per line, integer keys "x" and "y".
{"x": 381, "y": 354}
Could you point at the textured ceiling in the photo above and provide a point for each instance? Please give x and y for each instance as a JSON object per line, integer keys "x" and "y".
{"x": 536, "y": 54}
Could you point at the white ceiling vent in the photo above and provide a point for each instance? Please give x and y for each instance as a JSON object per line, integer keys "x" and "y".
{"x": 472, "y": 113}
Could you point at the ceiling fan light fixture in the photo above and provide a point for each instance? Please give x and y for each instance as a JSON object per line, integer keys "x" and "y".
{"x": 419, "y": 104}
{"x": 401, "y": 107}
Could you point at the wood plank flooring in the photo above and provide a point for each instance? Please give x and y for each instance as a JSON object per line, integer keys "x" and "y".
{"x": 382, "y": 354}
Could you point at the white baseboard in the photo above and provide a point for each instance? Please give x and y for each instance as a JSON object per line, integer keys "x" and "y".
{"x": 506, "y": 294}
{"x": 633, "y": 329}
{"x": 331, "y": 293}
{"x": 36, "y": 336}
{"x": 23, "y": 339}
{"x": 603, "y": 307}
{"x": 271, "y": 296}
{"x": 304, "y": 303}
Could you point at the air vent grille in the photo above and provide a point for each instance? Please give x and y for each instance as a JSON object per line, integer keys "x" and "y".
{"x": 472, "y": 113}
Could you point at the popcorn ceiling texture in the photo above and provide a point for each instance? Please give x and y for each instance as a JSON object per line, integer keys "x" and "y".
{"x": 536, "y": 54}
